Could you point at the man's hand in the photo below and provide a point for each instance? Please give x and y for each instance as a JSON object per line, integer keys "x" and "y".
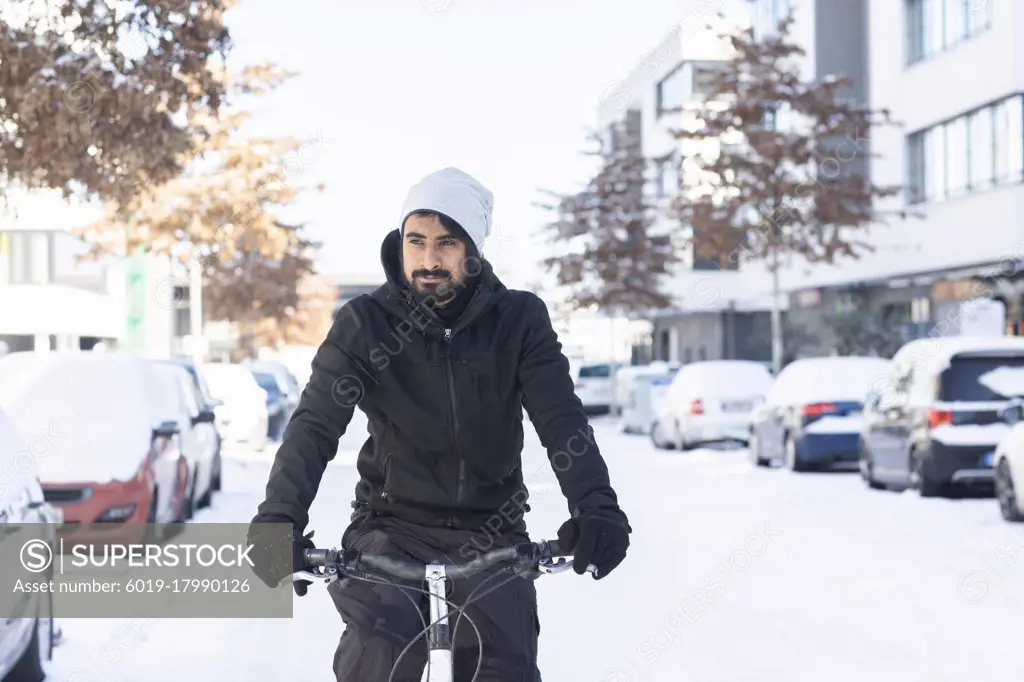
{"x": 270, "y": 550}
{"x": 594, "y": 539}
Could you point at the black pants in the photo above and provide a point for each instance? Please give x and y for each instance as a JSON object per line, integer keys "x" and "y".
{"x": 380, "y": 620}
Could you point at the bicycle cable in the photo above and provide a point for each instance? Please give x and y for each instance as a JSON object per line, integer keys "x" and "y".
{"x": 426, "y": 628}
{"x": 460, "y": 611}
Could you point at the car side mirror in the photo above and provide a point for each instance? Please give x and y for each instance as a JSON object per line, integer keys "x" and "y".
{"x": 167, "y": 429}
{"x": 1012, "y": 413}
{"x": 204, "y": 417}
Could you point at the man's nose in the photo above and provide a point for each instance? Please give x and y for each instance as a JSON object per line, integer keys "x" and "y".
{"x": 431, "y": 258}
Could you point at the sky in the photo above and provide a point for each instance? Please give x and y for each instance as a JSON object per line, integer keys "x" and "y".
{"x": 391, "y": 90}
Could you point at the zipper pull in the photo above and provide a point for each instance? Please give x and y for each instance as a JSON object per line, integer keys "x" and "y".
{"x": 447, "y": 334}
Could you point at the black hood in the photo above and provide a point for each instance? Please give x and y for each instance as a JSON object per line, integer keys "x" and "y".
{"x": 397, "y": 297}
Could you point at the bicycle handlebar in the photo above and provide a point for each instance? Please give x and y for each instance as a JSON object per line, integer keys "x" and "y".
{"x": 541, "y": 554}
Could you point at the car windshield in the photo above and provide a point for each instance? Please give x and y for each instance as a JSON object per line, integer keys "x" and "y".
{"x": 595, "y": 371}
{"x": 983, "y": 378}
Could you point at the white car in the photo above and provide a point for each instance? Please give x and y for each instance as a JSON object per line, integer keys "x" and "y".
{"x": 242, "y": 417}
{"x": 595, "y": 387}
{"x": 198, "y": 433}
{"x": 26, "y": 644}
{"x": 710, "y": 401}
{"x": 1009, "y": 464}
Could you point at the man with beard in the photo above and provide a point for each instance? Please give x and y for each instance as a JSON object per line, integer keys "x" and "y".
{"x": 442, "y": 359}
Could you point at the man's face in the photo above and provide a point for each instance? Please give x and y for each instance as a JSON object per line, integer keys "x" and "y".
{"x": 432, "y": 257}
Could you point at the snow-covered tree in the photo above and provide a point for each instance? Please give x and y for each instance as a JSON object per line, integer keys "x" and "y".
{"x": 786, "y": 179}
{"x": 607, "y": 249}
{"x": 100, "y": 98}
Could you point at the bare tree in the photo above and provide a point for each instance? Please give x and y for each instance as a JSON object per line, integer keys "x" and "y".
{"x": 770, "y": 189}
{"x": 609, "y": 251}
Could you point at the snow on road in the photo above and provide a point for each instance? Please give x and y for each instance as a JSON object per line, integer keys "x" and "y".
{"x": 735, "y": 574}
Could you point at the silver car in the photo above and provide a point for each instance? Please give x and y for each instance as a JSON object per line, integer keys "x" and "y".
{"x": 26, "y": 644}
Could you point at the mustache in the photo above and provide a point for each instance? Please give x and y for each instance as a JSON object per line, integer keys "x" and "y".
{"x": 431, "y": 273}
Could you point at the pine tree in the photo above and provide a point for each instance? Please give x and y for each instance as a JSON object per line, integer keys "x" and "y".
{"x": 773, "y": 190}
{"x": 100, "y": 98}
{"x": 608, "y": 250}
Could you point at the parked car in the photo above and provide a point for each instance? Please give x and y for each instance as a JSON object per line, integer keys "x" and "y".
{"x": 277, "y": 407}
{"x": 198, "y": 432}
{"x": 624, "y": 383}
{"x": 26, "y": 644}
{"x": 109, "y": 451}
{"x": 936, "y": 421}
{"x": 1009, "y": 463}
{"x": 283, "y": 394}
{"x": 208, "y": 403}
{"x": 594, "y": 386}
{"x": 710, "y": 401}
{"x": 242, "y": 415}
{"x": 641, "y": 389}
{"x": 811, "y": 417}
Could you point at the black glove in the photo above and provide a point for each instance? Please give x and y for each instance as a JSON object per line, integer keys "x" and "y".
{"x": 597, "y": 540}
{"x": 268, "y": 548}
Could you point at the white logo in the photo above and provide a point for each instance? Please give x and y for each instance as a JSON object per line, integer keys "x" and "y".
{"x": 36, "y": 556}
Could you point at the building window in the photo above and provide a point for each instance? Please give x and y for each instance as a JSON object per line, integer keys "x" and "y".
{"x": 674, "y": 89}
{"x": 687, "y": 355}
{"x": 971, "y": 153}
{"x": 934, "y": 26}
{"x": 667, "y": 176}
{"x": 768, "y": 14}
{"x": 28, "y": 258}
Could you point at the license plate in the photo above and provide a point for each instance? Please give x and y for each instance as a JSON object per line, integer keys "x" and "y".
{"x": 736, "y": 406}
{"x": 987, "y": 459}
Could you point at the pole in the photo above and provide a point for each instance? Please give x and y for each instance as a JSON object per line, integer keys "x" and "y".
{"x": 776, "y": 316}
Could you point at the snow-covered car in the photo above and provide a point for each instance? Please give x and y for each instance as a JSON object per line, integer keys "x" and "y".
{"x": 934, "y": 421}
{"x": 1009, "y": 463}
{"x": 242, "y": 415}
{"x": 282, "y": 394}
{"x": 207, "y": 403}
{"x": 811, "y": 417}
{"x": 709, "y": 401}
{"x": 198, "y": 438}
{"x": 26, "y": 644}
{"x": 642, "y": 388}
{"x": 106, "y": 450}
{"x": 594, "y": 386}
{"x": 624, "y": 384}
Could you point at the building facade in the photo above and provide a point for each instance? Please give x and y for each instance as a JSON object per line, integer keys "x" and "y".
{"x": 952, "y": 74}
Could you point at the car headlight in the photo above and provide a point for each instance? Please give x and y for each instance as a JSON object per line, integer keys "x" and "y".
{"x": 117, "y": 514}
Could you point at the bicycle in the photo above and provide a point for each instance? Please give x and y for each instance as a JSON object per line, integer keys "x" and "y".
{"x": 533, "y": 559}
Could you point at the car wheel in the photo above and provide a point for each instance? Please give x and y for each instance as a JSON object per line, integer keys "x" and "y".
{"x": 754, "y": 446}
{"x": 658, "y": 443}
{"x": 867, "y": 469}
{"x": 926, "y": 486}
{"x": 215, "y": 482}
{"x": 678, "y": 437}
{"x": 29, "y": 667}
{"x": 1007, "y": 496}
{"x": 792, "y": 459}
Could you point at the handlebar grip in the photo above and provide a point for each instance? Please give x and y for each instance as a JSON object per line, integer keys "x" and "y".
{"x": 555, "y": 548}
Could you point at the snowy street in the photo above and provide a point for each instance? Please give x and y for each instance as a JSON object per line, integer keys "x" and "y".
{"x": 736, "y": 574}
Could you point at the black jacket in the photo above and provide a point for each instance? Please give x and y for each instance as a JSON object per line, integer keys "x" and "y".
{"x": 444, "y": 408}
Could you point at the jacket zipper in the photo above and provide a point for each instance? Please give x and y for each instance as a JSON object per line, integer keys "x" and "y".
{"x": 460, "y": 490}
{"x": 387, "y": 476}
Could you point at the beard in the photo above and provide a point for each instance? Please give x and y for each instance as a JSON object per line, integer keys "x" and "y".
{"x": 438, "y": 291}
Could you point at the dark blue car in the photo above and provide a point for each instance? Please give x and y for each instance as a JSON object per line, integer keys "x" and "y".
{"x": 811, "y": 418}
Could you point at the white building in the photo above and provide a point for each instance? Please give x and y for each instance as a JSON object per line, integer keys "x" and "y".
{"x": 951, "y": 72}
{"x": 51, "y": 299}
